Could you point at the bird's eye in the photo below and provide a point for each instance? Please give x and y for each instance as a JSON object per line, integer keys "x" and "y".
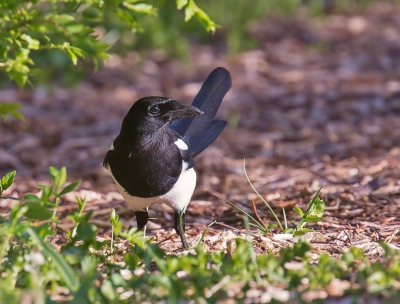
{"x": 154, "y": 109}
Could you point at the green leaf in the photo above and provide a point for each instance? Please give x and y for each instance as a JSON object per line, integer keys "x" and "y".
{"x": 91, "y": 13}
{"x": 118, "y": 228}
{"x": 47, "y": 191}
{"x": 318, "y": 207}
{"x": 76, "y": 28}
{"x": 77, "y": 51}
{"x": 10, "y": 108}
{"x": 126, "y": 16}
{"x": 313, "y": 218}
{"x": 33, "y": 44}
{"x": 289, "y": 230}
{"x": 31, "y": 198}
{"x": 72, "y": 56}
{"x": 22, "y": 55}
{"x": 114, "y": 218}
{"x": 108, "y": 290}
{"x": 59, "y": 177}
{"x": 81, "y": 203}
{"x": 37, "y": 211}
{"x": 299, "y": 232}
{"x": 7, "y": 180}
{"x": 53, "y": 173}
{"x": 70, "y": 187}
{"x": 65, "y": 19}
{"x": 190, "y": 10}
{"x": 19, "y": 73}
{"x": 181, "y": 3}
{"x": 141, "y": 8}
{"x": 315, "y": 209}
{"x": 298, "y": 210}
{"x": 205, "y": 19}
{"x": 64, "y": 269}
{"x": 302, "y": 231}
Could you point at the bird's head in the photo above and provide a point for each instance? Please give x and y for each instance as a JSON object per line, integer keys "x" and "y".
{"x": 151, "y": 113}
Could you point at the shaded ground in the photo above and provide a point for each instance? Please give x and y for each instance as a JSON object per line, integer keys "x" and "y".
{"x": 317, "y": 103}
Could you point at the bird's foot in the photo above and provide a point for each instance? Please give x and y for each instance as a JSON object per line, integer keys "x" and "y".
{"x": 179, "y": 225}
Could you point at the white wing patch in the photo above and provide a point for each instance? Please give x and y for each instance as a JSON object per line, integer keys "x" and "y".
{"x": 112, "y": 147}
{"x": 181, "y": 144}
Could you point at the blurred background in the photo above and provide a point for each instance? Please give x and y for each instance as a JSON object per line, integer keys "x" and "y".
{"x": 315, "y": 98}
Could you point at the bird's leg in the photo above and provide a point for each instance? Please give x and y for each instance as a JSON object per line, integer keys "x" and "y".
{"x": 145, "y": 227}
{"x": 177, "y": 226}
{"x": 141, "y": 218}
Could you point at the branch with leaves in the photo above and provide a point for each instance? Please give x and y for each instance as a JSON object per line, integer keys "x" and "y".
{"x": 28, "y": 28}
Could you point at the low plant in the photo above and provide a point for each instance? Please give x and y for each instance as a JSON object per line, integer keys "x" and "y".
{"x": 38, "y": 265}
{"x": 313, "y": 213}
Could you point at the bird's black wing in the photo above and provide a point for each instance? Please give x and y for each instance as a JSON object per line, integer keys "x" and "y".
{"x": 199, "y": 131}
{"x": 106, "y": 161}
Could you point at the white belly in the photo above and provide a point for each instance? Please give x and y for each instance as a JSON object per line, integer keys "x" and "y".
{"x": 181, "y": 193}
{"x": 177, "y": 198}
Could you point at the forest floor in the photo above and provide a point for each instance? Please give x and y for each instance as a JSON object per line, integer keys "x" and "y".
{"x": 316, "y": 102}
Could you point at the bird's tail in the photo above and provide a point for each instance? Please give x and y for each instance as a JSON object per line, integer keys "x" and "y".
{"x": 200, "y": 131}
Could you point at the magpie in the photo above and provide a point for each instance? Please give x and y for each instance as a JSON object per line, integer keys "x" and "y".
{"x": 151, "y": 160}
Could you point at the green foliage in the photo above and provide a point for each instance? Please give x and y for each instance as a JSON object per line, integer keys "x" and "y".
{"x": 314, "y": 213}
{"x": 57, "y": 34}
{"x": 29, "y": 264}
{"x": 172, "y": 34}
{"x": 10, "y": 109}
{"x": 114, "y": 219}
{"x": 6, "y": 181}
{"x": 45, "y": 40}
{"x": 29, "y": 26}
{"x": 38, "y": 207}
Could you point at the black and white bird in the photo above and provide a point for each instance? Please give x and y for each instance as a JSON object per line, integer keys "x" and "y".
{"x": 151, "y": 160}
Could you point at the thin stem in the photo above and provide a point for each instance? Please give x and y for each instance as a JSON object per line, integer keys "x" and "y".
{"x": 206, "y": 230}
{"x": 112, "y": 238}
{"x": 259, "y": 195}
{"x": 57, "y": 202}
{"x": 259, "y": 226}
{"x": 284, "y": 216}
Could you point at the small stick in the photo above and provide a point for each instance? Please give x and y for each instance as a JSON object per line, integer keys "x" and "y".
{"x": 256, "y": 213}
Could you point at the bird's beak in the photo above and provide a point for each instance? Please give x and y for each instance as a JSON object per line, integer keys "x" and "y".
{"x": 181, "y": 111}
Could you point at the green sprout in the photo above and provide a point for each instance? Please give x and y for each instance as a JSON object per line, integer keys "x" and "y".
{"x": 114, "y": 218}
{"x": 314, "y": 213}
